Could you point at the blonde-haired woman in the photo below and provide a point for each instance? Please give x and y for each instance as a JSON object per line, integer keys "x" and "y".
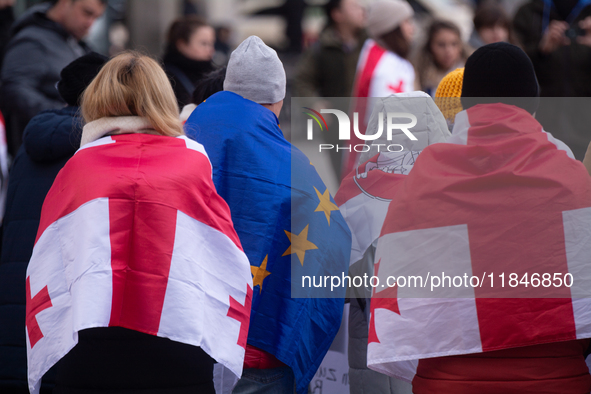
{"x": 153, "y": 262}
{"x": 131, "y": 85}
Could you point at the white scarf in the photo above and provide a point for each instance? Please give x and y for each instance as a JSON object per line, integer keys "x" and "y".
{"x": 115, "y": 125}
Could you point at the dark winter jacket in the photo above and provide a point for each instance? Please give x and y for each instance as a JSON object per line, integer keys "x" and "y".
{"x": 37, "y": 52}
{"x": 327, "y": 68}
{"x": 184, "y": 73}
{"x": 564, "y": 72}
{"x": 50, "y": 139}
{"x": 6, "y": 21}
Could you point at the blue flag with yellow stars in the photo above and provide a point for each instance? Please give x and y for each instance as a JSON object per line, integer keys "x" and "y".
{"x": 289, "y": 226}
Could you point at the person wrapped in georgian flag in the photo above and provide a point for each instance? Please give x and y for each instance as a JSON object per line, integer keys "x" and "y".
{"x": 364, "y": 197}
{"x": 133, "y": 237}
{"x": 503, "y": 202}
{"x": 365, "y": 193}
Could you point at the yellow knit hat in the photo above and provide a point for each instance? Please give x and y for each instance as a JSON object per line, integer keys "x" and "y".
{"x": 448, "y": 93}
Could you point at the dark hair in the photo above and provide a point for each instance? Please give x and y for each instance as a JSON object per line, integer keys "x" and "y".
{"x": 182, "y": 29}
{"x": 491, "y": 15}
{"x": 396, "y": 42}
{"x": 436, "y": 27}
{"x": 500, "y": 72}
{"x": 210, "y": 84}
{"x": 329, "y": 7}
{"x": 76, "y": 76}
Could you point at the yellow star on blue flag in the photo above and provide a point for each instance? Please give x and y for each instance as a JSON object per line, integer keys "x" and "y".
{"x": 299, "y": 244}
{"x": 259, "y": 274}
{"x": 325, "y": 205}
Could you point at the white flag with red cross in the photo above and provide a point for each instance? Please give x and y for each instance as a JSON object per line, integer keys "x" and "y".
{"x": 503, "y": 198}
{"x": 133, "y": 234}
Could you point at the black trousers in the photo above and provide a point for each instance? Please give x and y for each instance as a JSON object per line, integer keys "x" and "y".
{"x": 116, "y": 360}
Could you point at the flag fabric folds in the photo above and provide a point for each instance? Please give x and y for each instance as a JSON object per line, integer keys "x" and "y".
{"x": 366, "y": 193}
{"x": 287, "y": 222}
{"x": 502, "y": 197}
{"x": 134, "y": 235}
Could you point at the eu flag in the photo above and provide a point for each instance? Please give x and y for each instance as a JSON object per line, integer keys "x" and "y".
{"x": 288, "y": 224}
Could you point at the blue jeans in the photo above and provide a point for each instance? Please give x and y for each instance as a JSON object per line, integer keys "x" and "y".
{"x": 266, "y": 381}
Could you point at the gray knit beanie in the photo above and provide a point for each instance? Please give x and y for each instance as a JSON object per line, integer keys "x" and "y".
{"x": 255, "y": 72}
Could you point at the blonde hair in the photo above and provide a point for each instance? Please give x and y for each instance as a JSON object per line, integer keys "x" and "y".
{"x": 132, "y": 84}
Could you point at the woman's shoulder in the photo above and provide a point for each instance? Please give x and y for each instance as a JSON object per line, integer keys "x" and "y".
{"x": 393, "y": 63}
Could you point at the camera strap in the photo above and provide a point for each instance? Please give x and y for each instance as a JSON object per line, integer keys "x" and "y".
{"x": 549, "y": 4}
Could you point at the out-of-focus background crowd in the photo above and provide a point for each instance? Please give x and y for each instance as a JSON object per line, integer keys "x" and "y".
{"x": 287, "y": 25}
{"x": 318, "y": 41}
{"x": 323, "y": 45}
{"x": 446, "y": 32}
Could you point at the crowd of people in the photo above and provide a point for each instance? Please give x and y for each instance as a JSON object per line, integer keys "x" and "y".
{"x": 156, "y": 219}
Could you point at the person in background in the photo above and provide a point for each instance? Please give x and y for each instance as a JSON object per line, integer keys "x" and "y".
{"x": 327, "y": 68}
{"x": 222, "y": 45}
{"x": 43, "y": 41}
{"x": 491, "y": 24}
{"x": 443, "y": 52}
{"x": 188, "y": 56}
{"x": 49, "y": 141}
{"x": 209, "y": 85}
{"x": 556, "y": 35}
{"x": 383, "y": 68}
{"x": 292, "y": 11}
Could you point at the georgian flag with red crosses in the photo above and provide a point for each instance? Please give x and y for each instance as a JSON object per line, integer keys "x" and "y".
{"x": 501, "y": 197}
{"x": 133, "y": 234}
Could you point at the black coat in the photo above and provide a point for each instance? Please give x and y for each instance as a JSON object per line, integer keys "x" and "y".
{"x": 327, "y": 68}
{"x": 564, "y": 72}
{"x": 50, "y": 139}
{"x": 35, "y": 55}
{"x": 184, "y": 73}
